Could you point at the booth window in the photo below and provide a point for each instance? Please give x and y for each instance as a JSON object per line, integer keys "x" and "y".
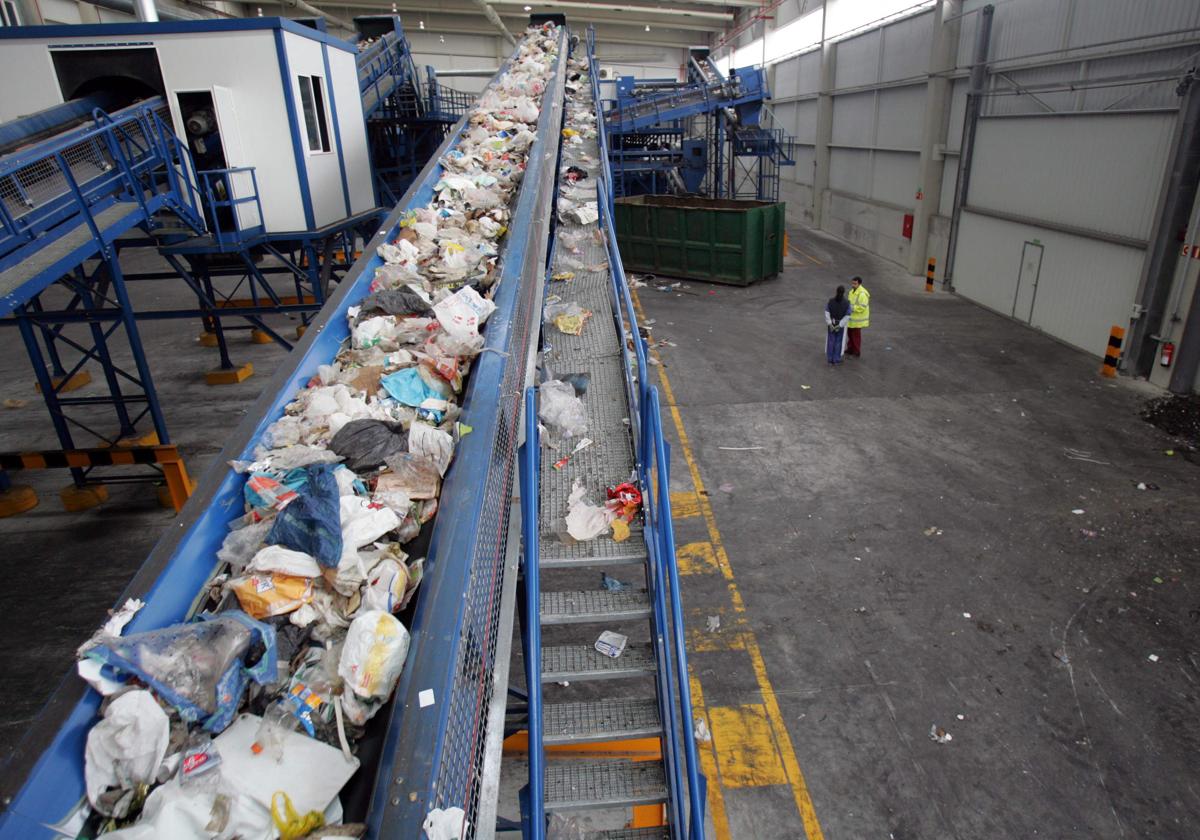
{"x": 312, "y": 100}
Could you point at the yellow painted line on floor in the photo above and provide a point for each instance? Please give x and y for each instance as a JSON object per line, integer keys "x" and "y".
{"x": 696, "y": 558}
{"x": 808, "y": 257}
{"x": 684, "y": 504}
{"x": 795, "y": 778}
{"x": 745, "y": 747}
{"x": 708, "y": 765}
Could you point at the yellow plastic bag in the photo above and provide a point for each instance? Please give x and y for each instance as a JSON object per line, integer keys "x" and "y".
{"x": 263, "y": 596}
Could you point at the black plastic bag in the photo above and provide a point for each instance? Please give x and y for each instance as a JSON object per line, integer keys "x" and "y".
{"x": 366, "y": 444}
{"x": 396, "y": 302}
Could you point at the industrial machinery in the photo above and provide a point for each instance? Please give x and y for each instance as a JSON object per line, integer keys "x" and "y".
{"x": 711, "y": 135}
{"x": 167, "y": 138}
{"x": 437, "y": 744}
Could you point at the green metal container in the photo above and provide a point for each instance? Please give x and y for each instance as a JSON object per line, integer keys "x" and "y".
{"x": 714, "y": 239}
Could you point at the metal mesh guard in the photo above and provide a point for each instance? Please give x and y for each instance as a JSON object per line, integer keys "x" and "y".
{"x": 461, "y": 768}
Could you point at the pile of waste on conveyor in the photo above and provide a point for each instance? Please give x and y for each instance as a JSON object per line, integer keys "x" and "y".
{"x": 245, "y": 722}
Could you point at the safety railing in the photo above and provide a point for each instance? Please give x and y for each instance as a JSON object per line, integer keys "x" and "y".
{"x": 81, "y": 172}
{"x": 529, "y": 465}
{"x": 653, "y": 466}
{"x": 230, "y": 195}
{"x": 385, "y": 67}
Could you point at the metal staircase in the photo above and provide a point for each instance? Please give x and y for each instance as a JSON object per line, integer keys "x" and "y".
{"x": 407, "y": 116}
{"x": 606, "y": 735}
{"x": 713, "y": 135}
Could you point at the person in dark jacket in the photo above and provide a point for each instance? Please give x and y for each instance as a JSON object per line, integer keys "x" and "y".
{"x": 837, "y": 316}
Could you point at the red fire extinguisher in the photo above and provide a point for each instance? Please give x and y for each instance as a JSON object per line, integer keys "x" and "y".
{"x": 1168, "y": 353}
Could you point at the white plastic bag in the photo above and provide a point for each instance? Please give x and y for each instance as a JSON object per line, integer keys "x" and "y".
{"x": 363, "y": 522}
{"x": 560, "y": 409}
{"x": 448, "y": 824}
{"x": 373, "y": 654}
{"x": 276, "y": 558}
{"x": 431, "y": 443}
{"x": 463, "y": 312}
{"x": 586, "y": 521}
{"x": 125, "y": 749}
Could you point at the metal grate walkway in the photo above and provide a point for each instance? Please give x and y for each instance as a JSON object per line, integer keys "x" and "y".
{"x": 591, "y": 697}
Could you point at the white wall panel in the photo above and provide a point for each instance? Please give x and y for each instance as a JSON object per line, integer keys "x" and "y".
{"x": 1106, "y": 20}
{"x": 958, "y": 107}
{"x": 787, "y": 79}
{"x": 949, "y": 182}
{"x": 1103, "y": 173}
{"x": 1083, "y": 289}
{"x": 58, "y": 11}
{"x": 785, "y": 116}
{"x": 901, "y": 111}
{"x": 857, "y": 60}
{"x": 806, "y": 121}
{"x": 31, "y": 63}
{"x": 802, "y": 172}
{"x": 355, "y": 154}
{"x": 808, "y": 72}
{"x": 894, "y": 177}
{"x": 850, "y": 171}
{"x": 906, "y": 48}
{"x": 854, "y": 119}
{"x": 324, "y": 169}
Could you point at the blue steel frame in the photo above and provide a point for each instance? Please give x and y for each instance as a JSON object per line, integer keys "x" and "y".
{"x": 44, "y": 781}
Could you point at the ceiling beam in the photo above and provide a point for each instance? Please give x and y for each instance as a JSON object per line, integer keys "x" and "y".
{"x": 605, "y": 34}
{"x": 427, "y": 14}
{"x": 564, "y": 5}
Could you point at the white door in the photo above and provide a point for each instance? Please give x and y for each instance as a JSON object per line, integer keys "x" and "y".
{"x": 241, "y": 183}
{"x": 1027, "y": 281}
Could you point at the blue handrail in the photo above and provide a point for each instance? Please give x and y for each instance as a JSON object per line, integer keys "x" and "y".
{"x": 129, "y": 153}
{"x": 530, "y": 461}
{"x": 237, "y": 233}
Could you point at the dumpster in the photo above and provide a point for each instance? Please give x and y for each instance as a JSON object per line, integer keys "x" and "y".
{"x": 714, "y": 239}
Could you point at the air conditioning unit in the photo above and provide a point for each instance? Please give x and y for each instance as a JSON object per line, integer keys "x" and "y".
{"x": 605, "y": 73}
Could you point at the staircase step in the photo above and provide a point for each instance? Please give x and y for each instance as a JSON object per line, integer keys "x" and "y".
{"x": 603, "y": 783}
{"x": 612, "y": 719}
{"x": 595, "y": 605}
{"x": 583, "y": 662}
{"x": 602, "y": 551}
{"x": 661, "y": 832}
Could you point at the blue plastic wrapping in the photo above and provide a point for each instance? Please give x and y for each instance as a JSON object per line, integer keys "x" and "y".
{"x": 198, "y": 668}
{"x": 312, "y": 523}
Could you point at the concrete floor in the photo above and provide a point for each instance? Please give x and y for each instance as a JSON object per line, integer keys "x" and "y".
{"x": 843, "y": 634}
{"x": 71, "y": 567}
{"x": 849, "y": 628}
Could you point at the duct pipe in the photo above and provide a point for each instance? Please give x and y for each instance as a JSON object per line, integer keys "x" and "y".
{"x": 983, "y": 36}
{"x": 494, "y": 20}
{"x": 145, "y": 11}
{"x": 311, "y": 10}
{"x": 129, "y": 7}
{"x": 1183, "y": 175}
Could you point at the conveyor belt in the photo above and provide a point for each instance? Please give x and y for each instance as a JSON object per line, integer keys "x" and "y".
{"x": 424, "y": 755}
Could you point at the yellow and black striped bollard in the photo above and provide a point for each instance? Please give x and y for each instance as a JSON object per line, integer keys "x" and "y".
{"x": 929, "y": 274}
{"x": 1112, "y": 356}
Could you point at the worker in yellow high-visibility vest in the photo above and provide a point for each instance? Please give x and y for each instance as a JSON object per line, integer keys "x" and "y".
{"x": 860, "y": 316}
